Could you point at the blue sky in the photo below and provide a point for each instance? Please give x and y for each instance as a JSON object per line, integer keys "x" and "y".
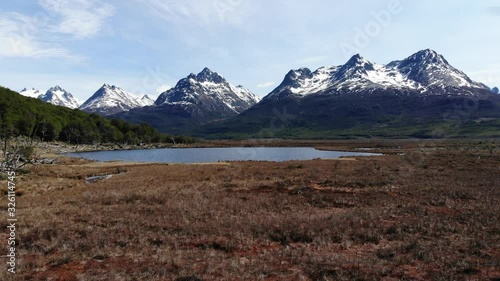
{"x": 146, "y": 46}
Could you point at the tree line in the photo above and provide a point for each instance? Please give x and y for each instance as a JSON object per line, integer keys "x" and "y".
{"x": 23, "y": 116}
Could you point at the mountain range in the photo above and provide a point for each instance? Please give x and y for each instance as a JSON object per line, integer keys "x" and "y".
{"x": 203, "y": 96}
{"x": 55, "y": 95}
{"x": 420, "y": 96}
{"x": 421, "y": 72}
{"x": 107, "y": 100}
{"x": 419, "y": 92}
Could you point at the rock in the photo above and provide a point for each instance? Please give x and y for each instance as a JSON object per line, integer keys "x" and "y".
{"x": 97, "y": 178}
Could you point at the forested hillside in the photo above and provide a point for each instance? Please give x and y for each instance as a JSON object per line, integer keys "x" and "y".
{"x": 22, "y": 116}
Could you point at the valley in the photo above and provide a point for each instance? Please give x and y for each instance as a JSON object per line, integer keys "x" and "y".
{"x": 250, "y": 140}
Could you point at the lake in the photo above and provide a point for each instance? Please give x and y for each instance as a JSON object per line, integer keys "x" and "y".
{"x": 213, "y": 155}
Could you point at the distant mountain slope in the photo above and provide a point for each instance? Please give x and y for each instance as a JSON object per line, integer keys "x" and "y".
{"x": 55, "y": 95}
{"x": 210, "y": 91}
{"x": 146, "y": 101}
{"x": 31, "y": 93}
{"x": 110, "y": 100}
{"x": 403, "y": 98}
{"x": 195, "y": 100}
{"x": 58, "y": 96}
{"x": 421, "y": 72}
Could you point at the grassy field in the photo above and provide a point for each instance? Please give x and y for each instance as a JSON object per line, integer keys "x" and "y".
{"x": 425, "y": 211}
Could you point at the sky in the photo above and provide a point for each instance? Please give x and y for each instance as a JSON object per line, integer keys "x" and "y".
{"x": 146, "y": 46}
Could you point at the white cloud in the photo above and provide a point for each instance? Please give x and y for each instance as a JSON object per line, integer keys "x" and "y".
{"x": 163, "y": 88}
{"x": 178, "y": 11}
{"x": 80, "y": 18}
{"x": 265, "y": 85}
{"x": 37, "y": 35}
{"x": 204, "y": 14}
{"x": 20, "y": 39}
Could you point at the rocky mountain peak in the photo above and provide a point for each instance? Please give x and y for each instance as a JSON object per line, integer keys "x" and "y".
{"x": 31, "y": 93}
{"x": 425, "y": 57}
{"x": 293, "y": 77}
{"x": 207, "y": 75}
{"x": 357, "y": 65}
{"x": 58, "y": 96}
{"x": 110, "y": 99}
{"x": 56, "y": 88}
{"x": 210, "y": 91}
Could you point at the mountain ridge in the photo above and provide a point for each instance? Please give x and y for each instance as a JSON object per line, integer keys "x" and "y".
{"x": 110, "y": 99}
{"x": 55, "y": 95}
{"x": 420, "y": 89}
{"x": 194, "y": 101}
{"x": 420, "y": 71}
{"x": 411, "y": 97}
{"x": 209, "y": 87}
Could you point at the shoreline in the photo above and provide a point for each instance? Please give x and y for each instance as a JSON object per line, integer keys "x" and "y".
{"x": 339, "y": 145}
{"x": 54, "y": 150}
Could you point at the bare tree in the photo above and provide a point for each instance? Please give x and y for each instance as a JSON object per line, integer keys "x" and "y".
{"x": 17, "y": 153}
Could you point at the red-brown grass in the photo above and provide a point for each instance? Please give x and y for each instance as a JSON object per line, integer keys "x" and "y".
{"x": 429, "y": 213}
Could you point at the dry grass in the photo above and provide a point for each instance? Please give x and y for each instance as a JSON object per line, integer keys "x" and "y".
{"x": 430, "y": 214}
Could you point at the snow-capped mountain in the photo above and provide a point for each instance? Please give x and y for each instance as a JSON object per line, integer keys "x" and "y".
{"x": 55, "y": 95}
{"x": 146, "y": 101}
{"x": 58, "y": 96}
{"x": 108, "y": 100}
{"x": 246, "y": 95}
{"x": 406, "y": 97}
{"x": 31, "y": 93}
{"x": 210, "y": 90}
{"x": 429, "y": 68}
{"x": 196, "y": 100}
{"x": 420, "y": 72}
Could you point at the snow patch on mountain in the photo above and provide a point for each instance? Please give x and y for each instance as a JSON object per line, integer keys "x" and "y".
{"x": 418, "y": 72}
{"x": 245, "y": 94}
{"x": 145, "y": 101}
{"x": 431, "y": 69}
{"x": 110, "y": 99}
{"x": 55, "y": 95}
{"x": 58, "y": 96}
{"x": 312, "y": 82}
{"x": 31, "y": 93}
{"x": 208, "y": 89}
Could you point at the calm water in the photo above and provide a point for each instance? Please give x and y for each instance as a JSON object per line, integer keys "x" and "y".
{"x": 211, "y": 155}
